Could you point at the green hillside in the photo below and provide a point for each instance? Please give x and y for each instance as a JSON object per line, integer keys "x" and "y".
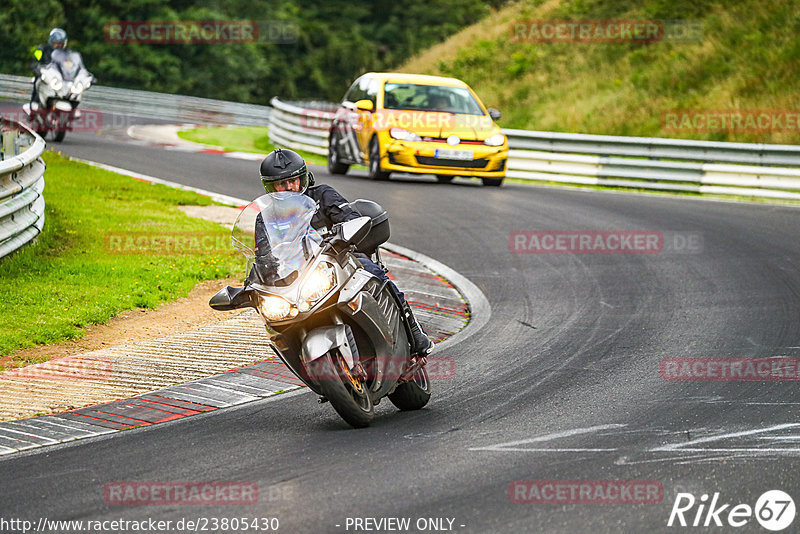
{"x": 747, "y": 57}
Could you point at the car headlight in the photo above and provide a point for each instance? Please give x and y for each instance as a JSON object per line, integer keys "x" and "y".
{"x": 495, "y": 140}
{"x": 317, "y": 285}
{"x": 275, "y": 308}
{"x": 77, "y": 88}
{"x": 403, "y": 134}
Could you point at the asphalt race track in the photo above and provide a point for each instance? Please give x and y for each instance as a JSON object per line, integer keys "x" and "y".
{"x": 564, "y": 383}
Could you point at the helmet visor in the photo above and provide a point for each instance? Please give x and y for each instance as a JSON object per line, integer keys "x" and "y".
{"x": 296, "y": 184}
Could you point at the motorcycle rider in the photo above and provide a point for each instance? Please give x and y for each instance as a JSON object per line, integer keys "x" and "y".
{"x": 285, "y": 170}
{"x": 57, "y": 39}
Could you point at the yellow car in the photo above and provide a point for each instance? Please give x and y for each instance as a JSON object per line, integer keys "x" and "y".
{"x": 413, "y": 123}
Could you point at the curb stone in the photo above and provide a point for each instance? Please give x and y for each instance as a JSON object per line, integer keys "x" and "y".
{"x": 439, "y": 306}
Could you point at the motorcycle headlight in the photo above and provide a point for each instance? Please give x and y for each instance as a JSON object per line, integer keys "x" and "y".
{"x": 403, "y": 134}
{"x": 275, "y": 308}
{"x": 77, "y": 88}
{"x": 495, "y": 140}
{"x": 317, "y": 285}
{"x": 55, "y": 84}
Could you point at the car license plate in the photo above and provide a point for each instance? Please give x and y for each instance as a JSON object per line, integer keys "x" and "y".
{"x": 453, "y": 154}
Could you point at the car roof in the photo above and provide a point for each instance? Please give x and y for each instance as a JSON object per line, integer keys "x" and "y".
{"x": 421, "y": 79}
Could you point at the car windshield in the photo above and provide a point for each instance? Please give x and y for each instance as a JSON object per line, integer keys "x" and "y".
{"x": 274, "y": 233}
{"x": 69, "y": 63}
{"x": 430, "y": 98}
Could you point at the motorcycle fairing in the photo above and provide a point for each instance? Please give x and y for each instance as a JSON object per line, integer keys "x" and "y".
{"x": 322, "y": 340}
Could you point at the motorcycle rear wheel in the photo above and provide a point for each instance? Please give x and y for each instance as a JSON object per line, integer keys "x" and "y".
{"x": 412, "y": 395}
{"x": 38, "y": 126}
{"x": 348, "y": 395}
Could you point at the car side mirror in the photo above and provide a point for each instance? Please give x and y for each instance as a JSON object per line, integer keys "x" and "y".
{"x": 231, "y": 298}
{"x": 365, "y": 105}
{"x": 495, "y": 114}
{"x": 354, "y": 231}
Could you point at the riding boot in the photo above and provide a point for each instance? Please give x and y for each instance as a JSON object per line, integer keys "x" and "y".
{"x": 421, "y": 345}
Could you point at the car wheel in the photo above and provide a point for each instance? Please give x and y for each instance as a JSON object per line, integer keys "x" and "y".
{"x": 493, "y": 182}
{"x": 375, "y": 171}
{"x": 335, "y": 166}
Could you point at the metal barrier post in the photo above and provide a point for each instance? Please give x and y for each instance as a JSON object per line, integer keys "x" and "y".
{"x": 10, "y": 147}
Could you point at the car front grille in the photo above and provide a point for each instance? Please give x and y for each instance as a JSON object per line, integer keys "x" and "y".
{"x": 444, "y": 140}
{"x": 460, "y": 163}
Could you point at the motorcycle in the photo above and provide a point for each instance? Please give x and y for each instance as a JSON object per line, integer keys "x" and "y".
{"x": 337, "y": 327}
{"x": 60, "y": 86}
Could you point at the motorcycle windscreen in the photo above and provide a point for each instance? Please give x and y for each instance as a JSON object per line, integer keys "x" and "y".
{"x": 274, "y": 233}
{"x": 69, "y": 63}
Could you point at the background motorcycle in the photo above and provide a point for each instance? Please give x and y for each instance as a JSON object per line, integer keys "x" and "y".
{"x": 334, "y": 325}
{"x": 60, "y": 85}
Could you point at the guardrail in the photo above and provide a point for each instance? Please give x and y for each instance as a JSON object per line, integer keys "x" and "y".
{"x": 656, "y": 163}
{"x": 635, "y": 162}
{"x": 747, "y": 169}
{"x": 21, "y": 186}
{"x": 302, "y": 127}
{"x": 149, "y": 104}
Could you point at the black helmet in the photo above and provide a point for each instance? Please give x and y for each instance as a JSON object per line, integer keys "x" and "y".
{"x": 57, "y": 35}
{"x": 282, "y": 166}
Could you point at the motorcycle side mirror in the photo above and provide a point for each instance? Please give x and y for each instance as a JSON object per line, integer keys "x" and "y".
{"x": 353, "y": 232}
{"x": 231, "y": 298}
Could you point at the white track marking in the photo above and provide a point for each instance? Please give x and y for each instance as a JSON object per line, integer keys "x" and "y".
{"x": 512, "y": 445}
{"x": 686, "y": 446}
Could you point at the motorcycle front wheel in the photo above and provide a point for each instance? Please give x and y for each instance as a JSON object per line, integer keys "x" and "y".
{"x": 60, "y": 131}
{"x": 347, "y": 394}
{"x": 38, "y": 126}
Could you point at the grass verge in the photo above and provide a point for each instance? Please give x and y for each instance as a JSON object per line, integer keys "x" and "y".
{"x": 110, "y": 243}
{"x": 743, "y": 56}
{"x": 241, "y": 139}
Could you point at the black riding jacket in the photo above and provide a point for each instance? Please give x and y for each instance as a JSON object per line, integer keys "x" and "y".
{"x": 332, "y": 208}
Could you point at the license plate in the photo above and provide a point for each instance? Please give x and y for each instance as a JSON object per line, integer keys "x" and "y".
{"x": 444, "y": 153}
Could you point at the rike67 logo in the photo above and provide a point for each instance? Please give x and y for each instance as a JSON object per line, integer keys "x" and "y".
{"x": 774, "y": 510}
